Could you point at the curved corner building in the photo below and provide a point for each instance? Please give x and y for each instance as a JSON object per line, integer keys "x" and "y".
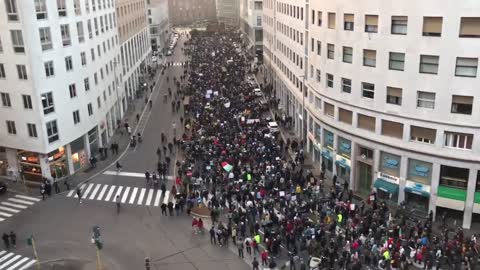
{"x": 385, "y": 93}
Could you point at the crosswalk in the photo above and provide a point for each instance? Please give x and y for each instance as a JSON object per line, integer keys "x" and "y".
{"x": 14, "y": 205}
{"x": 176, "y": 64}
{"x": 131, "y": 174}
{"x": 126, "y": 194}
{"x": 12, "y": 261}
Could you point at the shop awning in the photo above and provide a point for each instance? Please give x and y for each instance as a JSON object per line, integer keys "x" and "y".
{"x": 327, "y": 155}
{"x": 452, "y": 193}
{"x": 342, "y": 163}
{"x": 386, "y": 186}
{"x": 417, "y": 191}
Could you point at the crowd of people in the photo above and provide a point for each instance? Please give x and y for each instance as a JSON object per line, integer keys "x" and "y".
{"x": 260, "y": 195}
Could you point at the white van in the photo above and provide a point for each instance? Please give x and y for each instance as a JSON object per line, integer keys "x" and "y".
{"x": 257, "y": 92}
{"x": 273, "y": 127}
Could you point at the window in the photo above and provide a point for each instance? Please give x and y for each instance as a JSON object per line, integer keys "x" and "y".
{"x": 319, "y": 18}
{"x": 421, "y": 134}
{"x": 41, "y": 9}
{"x": 369, "y": 58}
{"x": 22, "y": 72}
{"x": 12, "y": 12}
{"x": 319, "y": 47}
{"x": 11, "y": 127}
{"x": 86, "y": 83}
{"x": 99, "y": 102}
{"x": 62, "y": 8}
{"x": 366, "y": 122}
{"x": 27, "y": 102}
{"x": 311, "y": 71}
{"x": 95, "y": 78}
{"x": 83, "y": 58}
{"x": 32, "y": 130}
{"x": 89, "y": 27}
{"x": 6, "y": 100}
{"x": 392, "y": 129}
{"x": 49, "y": 71}
{"x": 1, "y": 46}
{"x": 330, "y": 51}
{"x": 345, "y": 116}
{"x": 394, "y": 95}
{"x": 76, "y": 7}
{"x": 73, "y": 90}
{"x": 313, "y": 16}
{"x": 466, "y": 67}
{"x": 65, "y": 32}
{"x": 90, "y": 109}
{"x": 312, "y": 47}
{"x": 425, "y": 100}
{"x": 318, "y": 103}
{"x": 47, "y": 103}
{"x": 68, "y": 63}
{"x": 458, "y": 140}
{"x": 80, "y": 32}
{"x": 76, "y": 117}
{"x": 259, "y": 20}
{"x": 347, "y": 54}
{"x": 319, "y": 75}
{"x": 368, "y": 90}
{"x": 396, "y": 61}
{"x": 52, "y": 131}
{"x": 346, "y": 85}
{"x": 348, "y": 22}
{"x": 470, "y": 27}
{"x": 45, "y": 38}
{"x": 329, "y": 109}
{"x": 399, "y": 25}
{"x": 17, "y": 41}
{"x": 432, "y": 26}
{"x": 371, "y": 23}
{"x": 2, "y": 72}
{"x": 329, "y": 80}
{"x": 429, "y": 64}
{"x": 462, "y": 104}
{"x": 331, "y": 20}
{"x": 92, "y": 53}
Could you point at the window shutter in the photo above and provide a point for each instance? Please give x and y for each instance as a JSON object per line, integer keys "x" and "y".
{"x": 371, "y": 19}
{"x": 432, "y": 24}
{"x": 393, "y": 91}
{"x": 331, "y": 20}
{"x": 348, "y": 17}
{"x": 462, "y": 99}
{"x": 470, "y": 26}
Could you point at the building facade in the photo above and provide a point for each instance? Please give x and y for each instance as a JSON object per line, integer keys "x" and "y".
{"x": 58, "y": 66}
{"x": 384, "y": 95}
{"x": 186, "y": 12}
{"x": 228, "y": 12}
{"x": 159, "y": 24}
{"x": 251, "y": 23}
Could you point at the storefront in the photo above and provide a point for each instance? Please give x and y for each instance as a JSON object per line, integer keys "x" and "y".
{"x": 387, "y": 182}
{"x": 93, "y": 141}
{"x": 342, "y": 159}
{"x": 30, "y": 165}
{"x": 317, "y": 145}
{"x": 417, "y": 189}
{"x": 327, "y": 152}
{"x": 452, "y": 189}
{"x": 57, "y": 160}
{"x": 79, "y": 155}
{"x": 3, "y": 162}
{"x": 364, "y": 171}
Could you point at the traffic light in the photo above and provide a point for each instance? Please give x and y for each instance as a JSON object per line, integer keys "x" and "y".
{"x": 147, "y": 263}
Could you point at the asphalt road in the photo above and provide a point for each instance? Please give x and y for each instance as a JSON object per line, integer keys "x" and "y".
{"x": 62, "y": 226}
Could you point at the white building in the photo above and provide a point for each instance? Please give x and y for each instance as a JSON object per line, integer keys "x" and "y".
{"x": 251, "y": 23}
{"x": 389, "y": 92}
{"x": 228, "y": 12}
{"x": 58, "y": 62}
{"x": 159, "y": 24}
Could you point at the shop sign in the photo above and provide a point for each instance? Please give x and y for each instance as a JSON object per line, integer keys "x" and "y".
{"x": 390, "y": 163}
{"x": 417, "y": 188}
{"x": 389, "y": 178}
{"x": 342, "y": 160}
{"x": 345, "y": 147}
{"x": 421, "y": 171}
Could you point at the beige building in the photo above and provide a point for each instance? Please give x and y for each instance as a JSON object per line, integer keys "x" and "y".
{"x": 184, "y": 12}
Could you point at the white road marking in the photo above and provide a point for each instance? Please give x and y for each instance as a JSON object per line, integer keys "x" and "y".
{"x": 134, "y": 194}
{"x": 149, "y": 197}
{"x": 125, "y": 194}
{"x": 17, "y": 264}
{"x": 110, "y": 192}
{"x": 21, "y": 201}
{"x": 9, "y": 209}
{"x": 6, "y": 257}
{"x": 10, "y": 261}
{"x": 14, "y": 205}
{"x": 165, "y": 200}
{"x": 70, "y": 193}
{"x": 28, "y": 265}
{"x": 2, "y": 252}
{"x": 84, "y": 195}
{"x": 5, "y": 214}
{"x": 100, "y": 196}
{"x": 28, "y": 198}
{"x": 119, "y": 192}
{"x": 94, "y": 192}
{"x": 140, "y": 198}
{"x": 2, "y": 219}
{"x": 157, "y": 198}
{"x": 131, "y": 174}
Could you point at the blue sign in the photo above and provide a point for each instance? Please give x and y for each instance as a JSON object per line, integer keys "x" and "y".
{"x": 421, "y": 171}
{"x": 390, "y": 163}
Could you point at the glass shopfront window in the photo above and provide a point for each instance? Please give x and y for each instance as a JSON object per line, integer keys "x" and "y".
{"x": 58, "y": 163}
{"x": 79, "y": 156}
{"x": 328, "y": 139}
{"x": 318, "y": 133}
{"x": 390, "y": 164}
{"x": 417, "y": 189}
{"x": 343, "y": 157}
{"x": 387, "y": 181}
{"x": 3, "y": 162}
{"x": 419, "y": 171}
{"x": 327, "y": 150}
{"x": 30, "y": 165}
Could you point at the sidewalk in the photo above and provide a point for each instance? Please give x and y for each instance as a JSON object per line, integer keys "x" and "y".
{"x": 137, "y": 106}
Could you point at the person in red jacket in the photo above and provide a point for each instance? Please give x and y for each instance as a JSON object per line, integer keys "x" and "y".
{"x": 264, "y": 256}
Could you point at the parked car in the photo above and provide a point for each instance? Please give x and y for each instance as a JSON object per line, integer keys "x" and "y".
{"x": 3, "y": 188}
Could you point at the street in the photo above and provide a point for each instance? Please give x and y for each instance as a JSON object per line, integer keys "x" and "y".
{"x": 62, "y": 226}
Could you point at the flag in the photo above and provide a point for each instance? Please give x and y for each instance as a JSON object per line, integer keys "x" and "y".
{"x": 227, "y": 167}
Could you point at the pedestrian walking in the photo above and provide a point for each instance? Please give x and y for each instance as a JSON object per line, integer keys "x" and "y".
{"x": 79, "y": 194}
{"x": 55, "y": 185}
{"x": 42, "y": 191}
{"x": 255, "y": 263}
{"x": 213, "y": 240}
{"x": 13, "y": 239}
{"x": 164, "y": 209}
{"x": 240, "y": 248}
{"x": 170, "y": 208}
{"x": 247, "y": 242}
{"x": 67, "y": 185}
{"x": 6, "y": 240}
